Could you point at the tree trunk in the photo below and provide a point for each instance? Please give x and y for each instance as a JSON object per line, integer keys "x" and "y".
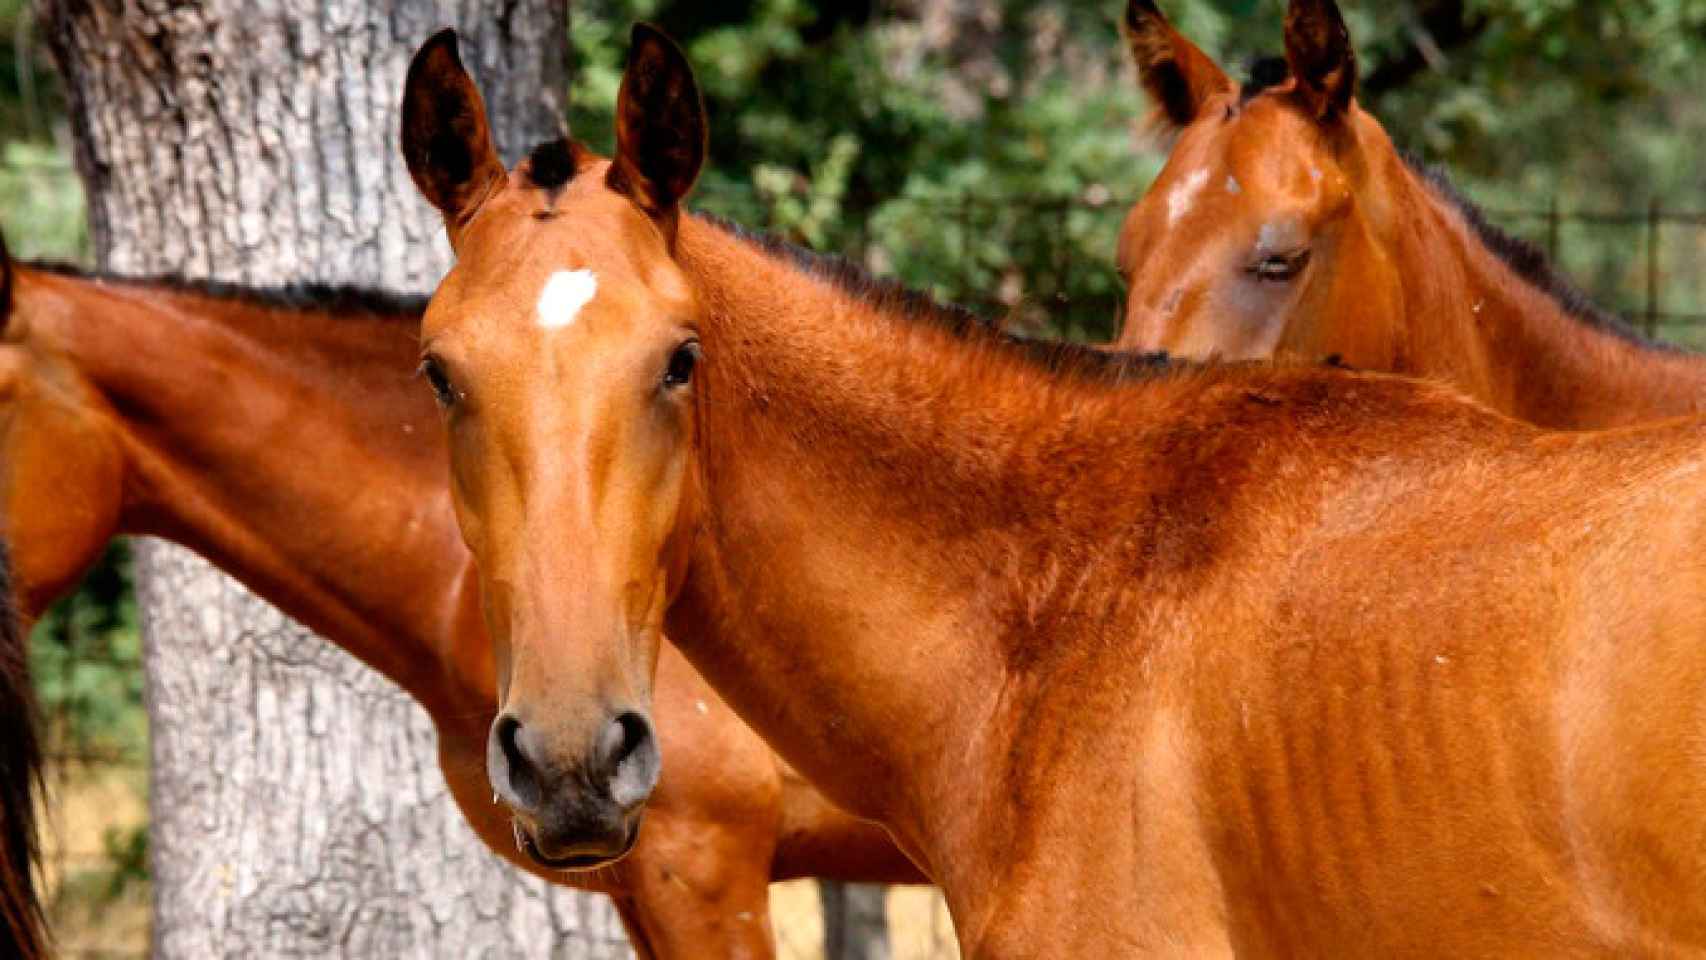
{"x": 297, "y": 805}
{"x": 855, "y": 921}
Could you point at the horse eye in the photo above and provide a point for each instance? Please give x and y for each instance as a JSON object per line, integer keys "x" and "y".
{"x": 681, "y": 365}
{"x": 436, "y": 378}
{"x": 1280, "y": 268}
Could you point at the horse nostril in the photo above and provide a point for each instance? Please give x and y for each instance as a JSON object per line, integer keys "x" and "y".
{"x": 519, "y": 770}
{"x": 630, "y": 758}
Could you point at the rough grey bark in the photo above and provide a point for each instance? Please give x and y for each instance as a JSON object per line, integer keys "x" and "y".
{"x": 297, "y": 805}
{"x": 298, "y": 810}
{"x": 255, "y": 140}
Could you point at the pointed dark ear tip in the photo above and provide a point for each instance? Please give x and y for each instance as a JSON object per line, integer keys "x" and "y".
{"x": 1326, "y": 9}
{"x": 443, "y": 50}
{"x": 1319, "y": 50}
{"x": 658, "y": 55}
{"x": 444, "y": 41}
{"x": 1142, "y": 8}
{"x": 1143, "y": 13}
{"x": 650, "y": 38}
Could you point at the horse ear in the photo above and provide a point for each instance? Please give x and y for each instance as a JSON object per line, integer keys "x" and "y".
{"x": 1179, "y": 77}
{"x": 447, "y": 140}
{"x": 661, "y": 128}
{"x": 1318, "y": 48}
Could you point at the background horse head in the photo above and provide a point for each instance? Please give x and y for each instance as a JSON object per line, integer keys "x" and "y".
{"x": 1286, "y": 222}
{"x": 1252, "y": 229}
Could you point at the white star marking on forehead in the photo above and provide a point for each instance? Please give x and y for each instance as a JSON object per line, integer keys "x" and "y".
{"x": 565, "y": 294}
{"x": 1184, "y": 196}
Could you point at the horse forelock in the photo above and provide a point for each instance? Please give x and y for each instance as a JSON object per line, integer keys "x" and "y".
{"x": 1266, "y": 73}
{"x": 553, "y": 164}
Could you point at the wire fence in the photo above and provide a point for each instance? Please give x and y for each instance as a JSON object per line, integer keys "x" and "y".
{"x": 1043, "y": 264}
{"x": 1643, "y": 264}
{"x": 85, "y": 661}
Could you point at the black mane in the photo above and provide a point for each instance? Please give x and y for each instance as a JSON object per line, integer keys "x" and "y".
{"x": 1056, "y": 357}
{"x": 329, "y": 298}
{"x": 1527, "y": 260}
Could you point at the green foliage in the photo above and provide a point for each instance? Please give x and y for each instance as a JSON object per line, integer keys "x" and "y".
{"x": 30, "y": 101}
{"x": 41, "y": 204}
{"x": 127, "y": 858}
{"x": 84, "y": 659}
{"x": 946, "y": 165}
{"x": 41, "y": 200}
{"x": 830, "y": 125}
{"x": 1586, "y": 100}
{"x": 121, "y": 872}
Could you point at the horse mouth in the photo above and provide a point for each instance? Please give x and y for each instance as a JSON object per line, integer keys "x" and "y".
{"x": 576, "y": 862}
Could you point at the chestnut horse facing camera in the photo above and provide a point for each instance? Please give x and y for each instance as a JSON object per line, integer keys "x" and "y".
{"x": 230, "y": 421}
{"x": 1285, "y": 223}
{"x": 1269, "y": 661}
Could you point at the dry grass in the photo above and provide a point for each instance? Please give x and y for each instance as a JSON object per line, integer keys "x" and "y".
{"x": 919, "y": 928}
{"x": 83, "y": 806}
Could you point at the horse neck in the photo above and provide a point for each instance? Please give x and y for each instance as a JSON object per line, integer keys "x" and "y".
{"x": 823, "y": 455}
{"x": 1473, "y": 320}
{"x": 290, "y": 448}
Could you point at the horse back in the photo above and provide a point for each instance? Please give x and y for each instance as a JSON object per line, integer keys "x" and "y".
{"x": 1465, "y": 675}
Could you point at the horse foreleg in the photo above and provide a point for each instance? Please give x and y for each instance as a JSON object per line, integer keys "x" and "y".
{"x": 706, "y": 897}
{"x": 631, "y": 922}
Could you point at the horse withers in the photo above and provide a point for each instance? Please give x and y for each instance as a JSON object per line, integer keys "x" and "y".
{"x": 1199, "y": 662}
{"x": 1286, "y": 224}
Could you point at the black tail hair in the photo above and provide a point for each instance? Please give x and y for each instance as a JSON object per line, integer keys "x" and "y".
{"x": 23, "y": 923}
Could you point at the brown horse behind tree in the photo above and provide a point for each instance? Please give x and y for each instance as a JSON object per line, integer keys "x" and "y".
{"x": 284, "y": 436}
{"x": 1286, "y": 223}
{"x": 24, "y": 933}
{"x": 1268, "y": 662}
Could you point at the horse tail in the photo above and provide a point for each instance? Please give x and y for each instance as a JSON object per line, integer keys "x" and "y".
{"x": 23, "y": 923}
